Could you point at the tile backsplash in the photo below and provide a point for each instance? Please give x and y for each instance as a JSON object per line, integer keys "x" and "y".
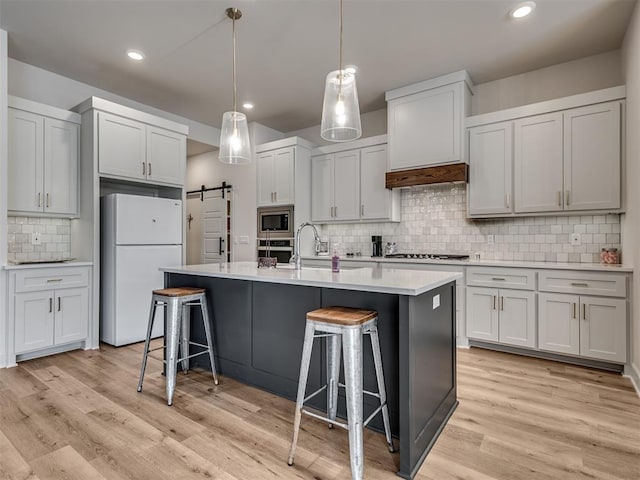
{"x": 434, "y": 220}
{"x": 55, "y": 238}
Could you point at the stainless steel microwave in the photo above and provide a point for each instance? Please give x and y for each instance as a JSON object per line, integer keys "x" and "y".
{"x": 275, "y": 222}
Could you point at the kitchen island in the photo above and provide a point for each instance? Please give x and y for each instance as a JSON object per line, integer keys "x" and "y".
{"x": 258, "y": 318}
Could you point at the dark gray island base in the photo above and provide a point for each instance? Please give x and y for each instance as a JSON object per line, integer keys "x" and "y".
{"x": 259, "y": 329}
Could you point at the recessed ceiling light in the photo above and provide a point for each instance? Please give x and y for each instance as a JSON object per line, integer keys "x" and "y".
{"x": 247, "y": 105}
{"x": 352, "y": 69}
{"x": 135, "y": 55}
{"x": 523, "y": 9}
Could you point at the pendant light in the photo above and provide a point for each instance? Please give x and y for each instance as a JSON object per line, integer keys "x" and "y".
{"x": 235, "y": 147}
{"x": 340, "y": 110}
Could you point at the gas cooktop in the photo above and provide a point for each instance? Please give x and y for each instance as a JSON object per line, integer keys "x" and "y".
{"x": 429, "y": 256}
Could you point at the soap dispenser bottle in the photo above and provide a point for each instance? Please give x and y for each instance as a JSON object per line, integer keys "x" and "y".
{"x": 335, "y": 259}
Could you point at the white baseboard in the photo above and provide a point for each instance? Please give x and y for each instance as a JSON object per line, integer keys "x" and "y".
{"x": 462, "y": 342}
{"x": 633, "y": 373}
{"x": 3, "y": 361}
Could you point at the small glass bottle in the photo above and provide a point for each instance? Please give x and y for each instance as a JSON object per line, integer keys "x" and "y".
{"x": 335, "y": 259}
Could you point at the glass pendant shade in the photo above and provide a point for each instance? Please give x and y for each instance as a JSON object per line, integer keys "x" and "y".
{"x": 340, "y": 110}
{"x": 234, "y": 139}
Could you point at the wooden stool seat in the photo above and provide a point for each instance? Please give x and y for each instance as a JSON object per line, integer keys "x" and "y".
{"x": 342, "y": 315}
{"x": 178, "y": 291}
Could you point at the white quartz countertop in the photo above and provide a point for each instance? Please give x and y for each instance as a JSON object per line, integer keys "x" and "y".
{"x": 25, "y": 266}
{"x": 379, "y": 280}
{"x": 595, "y": 267}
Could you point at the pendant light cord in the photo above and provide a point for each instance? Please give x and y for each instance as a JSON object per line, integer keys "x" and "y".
{"x": 340, "y": 72}
{"x": 235, "y": 109}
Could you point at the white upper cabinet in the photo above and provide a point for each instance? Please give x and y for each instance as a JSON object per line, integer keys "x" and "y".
{"x": 375, "y": 198}
{"x": 122, "y": 148}
{"x": 538, "y": 163}
{"x": 322, "y": 188}
{"x": 490, "y": 160}
{"x": 592, "y": 157}
{"x": 43, "y": 159}
{"x": 276, "y": 177}
{"x": 567, "y": 157}
{"x": 426, "y": 122}
{"x": 166, "y": 155}
{"x": 134, "y": 145}
{"x": 348, "y": 183}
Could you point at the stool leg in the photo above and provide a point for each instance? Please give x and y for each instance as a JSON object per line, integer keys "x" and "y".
{"x": 352, "y": 351}
{"x": 207, "y": 332}
{"x": 377, "y": 360}
{"x": 333, "y": 375}
{"x": 152, "y": 314}
{"x": 172, "y": 337}
{"x": 185, "y": 336}
{"x": 302, "y": 386}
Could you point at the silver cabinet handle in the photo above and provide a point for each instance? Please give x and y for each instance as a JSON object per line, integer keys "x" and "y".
{"x": 144, "y": 169}
{"x": 498, "y": 279}
{"x": 559, "y": 198}
{"x": 149, "y": 168}
{"x": 54, "y": 280}
{"x": 507, "y": 199}
{"x": 59, "y": 303}
{"x": 362, "y": 210}
{"x": 50, "y": 304}
{"x": 39, "y": 199}
{"x": 275, "y": 196}
{"x": 494, "y": 302}
{"x": 574, "y": 310}
{"x": 584, "y": 311}
{"x": 568, "y": 198}
{"x": 502, "y": 303}
{"x": 47, "y": 201}
{"x": 574, "y": 284}
{"x": 336, "y": 210}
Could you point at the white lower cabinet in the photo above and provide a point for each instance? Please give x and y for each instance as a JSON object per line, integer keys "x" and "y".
{"x": 583, "y": 325}
{"x": 48, "y": 308}
{"x": 501, "y": 315}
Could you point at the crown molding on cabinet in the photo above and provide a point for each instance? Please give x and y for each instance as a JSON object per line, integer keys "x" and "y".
{"x": 44, "y": 110}
{"x": 285, "y": 142}
{"x": 565, "y": 103}
{"x": 459, "y": 76}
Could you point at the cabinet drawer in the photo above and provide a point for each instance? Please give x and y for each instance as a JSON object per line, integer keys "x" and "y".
{"x": 517, "y": 278}
{"x": 51, "y": 278}
{"x": 603, "y": 284}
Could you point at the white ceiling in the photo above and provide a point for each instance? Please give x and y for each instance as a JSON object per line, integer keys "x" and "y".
{"x": 286, "y": 48}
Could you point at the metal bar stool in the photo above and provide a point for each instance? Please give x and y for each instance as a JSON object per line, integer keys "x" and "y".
{"x": 348, "y": 324}
{"x": 177, "y": 333}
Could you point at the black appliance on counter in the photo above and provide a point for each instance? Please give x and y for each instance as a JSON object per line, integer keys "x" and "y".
{"x": 429, "y": 256}
{"x": 376, "y": 242}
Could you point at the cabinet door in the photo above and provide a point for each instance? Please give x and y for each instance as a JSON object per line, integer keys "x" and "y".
{"x": 592, "y": 157}
{"x": 121, "y": 147}
{"x": 33, "y": 321}
{"x": 26, "y": 172}
{"x": 490, "y": 161}
{"x": 346, "y": 189}
{"x": 426, "y": 128}
{"x": 60, "y": 166}
{"x": 321, "y": 188}
{"x": 558, "y": 323}
{"x": 375, "y": 198}
{"x": 538, "y": 163}
{"x": 517, "y": 324}
{"x": 482, "y": 313}
{"x": 266, "y": 186}
{"x": 603, "y": 328}
{"x": 166, "y": 156}
{"x": 71, "y": 315}
{"x": 283, "y": 176}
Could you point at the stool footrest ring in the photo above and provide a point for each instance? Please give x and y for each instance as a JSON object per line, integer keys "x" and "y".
{"x": 325, "y": 419}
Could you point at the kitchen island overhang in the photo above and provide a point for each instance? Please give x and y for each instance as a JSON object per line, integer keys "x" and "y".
{"x": 258, "y": 318}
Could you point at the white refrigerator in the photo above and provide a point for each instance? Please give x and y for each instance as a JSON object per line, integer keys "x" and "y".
{"x": 139, "y": 235}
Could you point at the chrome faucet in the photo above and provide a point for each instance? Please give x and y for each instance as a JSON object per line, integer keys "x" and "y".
{"x": 297, "y": 258}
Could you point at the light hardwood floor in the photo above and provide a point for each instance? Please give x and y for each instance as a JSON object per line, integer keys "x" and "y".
{"x": 78, "y": 416}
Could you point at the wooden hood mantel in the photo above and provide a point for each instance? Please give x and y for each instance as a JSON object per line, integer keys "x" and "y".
{"x": 457, "y": 172}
